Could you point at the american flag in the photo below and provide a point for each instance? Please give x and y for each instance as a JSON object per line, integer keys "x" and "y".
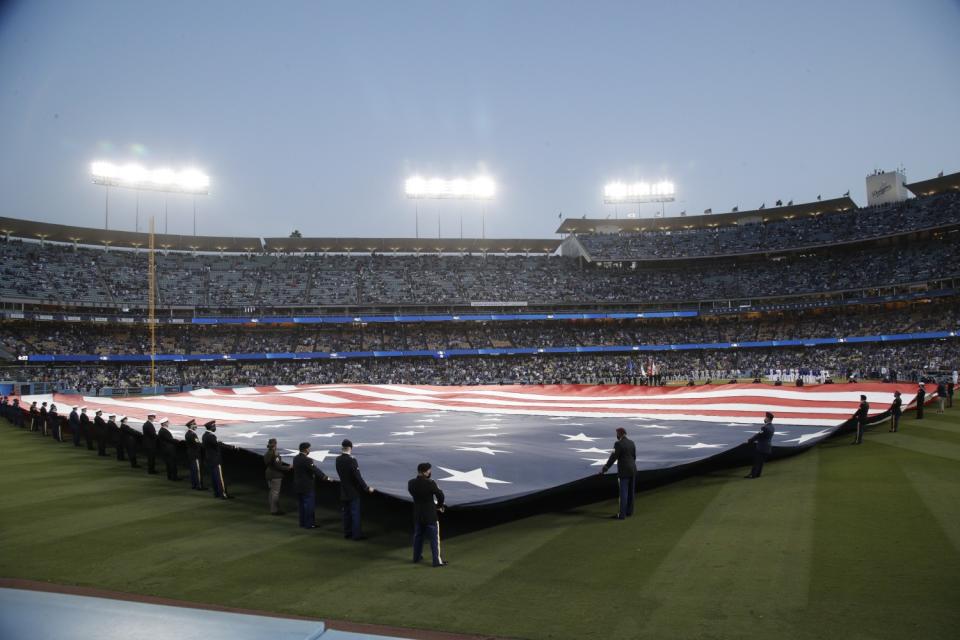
{"x": 490, "y": 444}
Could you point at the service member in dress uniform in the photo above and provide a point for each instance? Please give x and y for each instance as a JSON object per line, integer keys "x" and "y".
{"x": 896, "y": 410}
{"x": 193, "y": 455}
{"x": 86, "y": 428}
{"x": 100, "y": 431}
{"x": 42, "y": 422}
{"x": 211, "y": 458}
{"x": 53, "y": 422}
{"x": 427, "y": 501}
{"x": 625, "y": 455}
{"x": 168, "y": 449}
{"x": 34, "y": 415}
{"x": 861, "y": 417}
{"x": 114, "y": 436}
{"x": 130, "y": 437}
{"x": 305, "y": 476}
{"x": 148, "y": 443}
{"x": 921, "y": 398}
{"x": 352, "y": 486}
{"x": 74, "y": 421}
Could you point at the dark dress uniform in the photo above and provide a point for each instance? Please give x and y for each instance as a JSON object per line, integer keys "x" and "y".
{"x": 762, "y": 447}
{"x": 100, "y": 431}
{"x": 75, "y": 427}
{"x": 86, "y": 427}
{"x": 168, "y": 450}
{"x": 305, "y": 476}
{"x": 42, "y": 422}
{"x": 192, "y": 441}
{"x": 17, "y": 413}
{"x": 625, "y": 455}
{"x": 115, "y": 437}
{"x": 148, "y": 443}
{"x": 896, "y": 410}
{"x": 352, "y": 486}
{"x": 921, "y": 396}
{"x": 211, "y": 458}
{"x": 861, "y": 417}
{"x": 130, "y": 442}
{"x": 427, "y": 498}
{"x": 34, "y": 416}
{"x": 53, "y": 423}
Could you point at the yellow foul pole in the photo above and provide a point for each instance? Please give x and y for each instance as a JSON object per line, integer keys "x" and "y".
{"x": 151, "y": 306}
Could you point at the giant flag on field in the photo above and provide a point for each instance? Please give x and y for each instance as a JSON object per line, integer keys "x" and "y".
{"x": 490, "y": 444}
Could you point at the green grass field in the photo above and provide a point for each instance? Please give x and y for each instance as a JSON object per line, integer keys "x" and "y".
{"x": 838, "y": 542}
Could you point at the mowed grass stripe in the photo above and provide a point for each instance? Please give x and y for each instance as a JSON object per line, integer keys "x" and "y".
{"x": 838, "y": 541}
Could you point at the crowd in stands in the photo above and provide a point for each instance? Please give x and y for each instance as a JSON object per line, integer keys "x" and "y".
{"x": 777, "y": 235}
{"x": 62, "y": 276}
{"x": 903, "y": 361}
{"x": 62, "y": 338}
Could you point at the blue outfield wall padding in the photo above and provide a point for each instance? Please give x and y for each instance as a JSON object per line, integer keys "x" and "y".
{"x": 506, "y": 351}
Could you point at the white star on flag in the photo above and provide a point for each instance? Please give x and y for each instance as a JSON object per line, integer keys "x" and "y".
{"x": 320, "y": 456}
{"x": 425, "y": 420}
{"x": 591, "y": 450}
{"x": 486, "y": 434}
{"x": 289, "y": 453}
{"x": 368, "y": 444}
{"x": 597, "y": 462}
{"x": 323, "y": 435}
{"x": 653, "y": 426}
{"x": 363, "y": 420}
{"x": 559, "y": 418}
{"x": 249, "y": 434}
{"x": 403, "y": 433}
{"x": 345, "y": 426}
{"x": 672, "y": 435}
{"x": 490, "y": 444}
{"x": 580, "y": 437}
{"x": 810, "y": 436}
{"x": 490, "y": 419}
{"x": 701, "y": 445}
{"x": 486, "y": 450}
{"x": 273, "y": 426}
{"x": 737, "y": 424}
{"x": 474, "y": 477}
{"x": 491, "y": 427}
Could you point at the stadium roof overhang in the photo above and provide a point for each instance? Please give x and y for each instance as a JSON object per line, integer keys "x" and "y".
{"x": 633, "y": 225}
{"x": 933, "y": 186}
{"x": 410, "y": 245}
{"x": 48, "y": 232}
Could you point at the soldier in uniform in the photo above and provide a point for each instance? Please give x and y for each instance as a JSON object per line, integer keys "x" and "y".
{"x": 193, "y": 455}
{"x": 921, "y": 396}
{"x": 625, "y": 455}
{"x": 129, "y": 442}
{"x": 34, "y": 415}
{"x": 168, "y": 450}
{"x": 762, "y": 445}
{"x": 861, "y": 417}
{"x": 74, "y": 421}
{"x": 42, "y": 422}
{"x": 896, "y": 410}
{"x": 53, "y": 422}
{"x": 86, "y": 428}
{"x": 352, "y": 486}
{"x": 211, "y": 457}
{"x": 149, "y": 442}
{"x": 17, "y": 413}
{"x": 275, "y": 468}
{"x": 100, "y": 431}
{"x": 305, "y": 475}
{"x": 114, "y": 436}
{"x": 427, "y": 500}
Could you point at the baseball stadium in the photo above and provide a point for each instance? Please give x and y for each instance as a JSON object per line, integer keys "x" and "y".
{"x": 251, "y": 398}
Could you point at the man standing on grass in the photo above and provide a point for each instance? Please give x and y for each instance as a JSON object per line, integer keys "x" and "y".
{"x": 129, "y": 442}
{"x": 305, "y": 476}
{"x": 100, "y": 431}
{"x": 211, "y": 457}
{"x": 861, "y": 417}
{"x": 192, "y": 441}
{"x": 168, "y": 449}
{"x": 896, "y": 410}
{"x": 114, "y": 436}
{"x": 352, "y": 486}
{"x": 427, "y": 500}
{"x": 86, "y": 426}
{"x": 625, "y": 455}
{"x": 53, "y": 420}
{"x": 762, "y": 442}
{"x": 921, "y": 397}
{"x": 75, "y": 426}
{"x": 149, "y": 442}
{"x": 42, "y": 424}
{"x": 275, "y": 468}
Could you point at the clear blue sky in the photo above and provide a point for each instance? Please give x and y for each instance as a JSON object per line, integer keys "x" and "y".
{"x": 310, "y": 115}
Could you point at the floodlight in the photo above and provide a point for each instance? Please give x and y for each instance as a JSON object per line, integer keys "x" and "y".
{"x": 638, "y": 192}
{"x": 479, "y": 188}
{"x": 135, "y": 176}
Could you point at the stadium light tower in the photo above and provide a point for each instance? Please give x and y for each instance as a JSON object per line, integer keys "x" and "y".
{"x": 188, "y": 181}
{"x": 639, "y": 193}
{"x": 480, "y": 188}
